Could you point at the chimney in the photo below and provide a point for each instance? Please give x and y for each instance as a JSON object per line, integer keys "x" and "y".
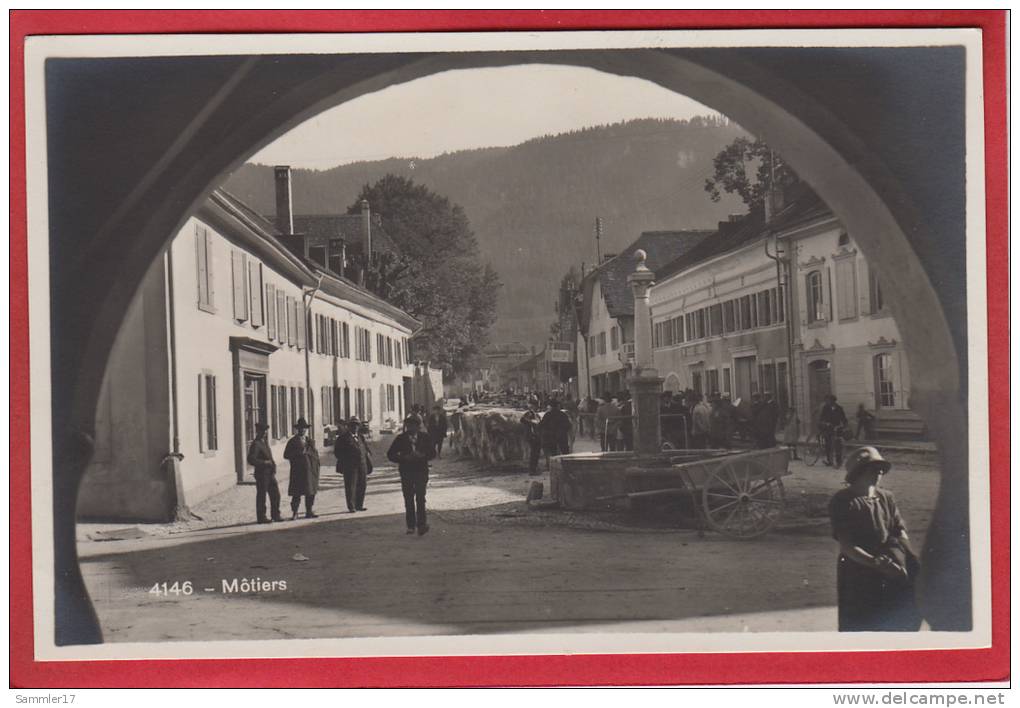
{"x": 284, "y": 203}
{"x": 366, "y": 231}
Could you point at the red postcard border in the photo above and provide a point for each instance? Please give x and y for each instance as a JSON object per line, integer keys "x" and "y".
{"x": 630, "y": 669}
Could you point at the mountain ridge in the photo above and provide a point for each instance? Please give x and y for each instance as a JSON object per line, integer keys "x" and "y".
{"x": 532, "y": 206}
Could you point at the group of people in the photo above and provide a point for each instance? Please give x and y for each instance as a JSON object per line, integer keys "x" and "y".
{"x": 610, "y": 419}
{"x": 411, "y": 451}
{"x": 550, "y": 432}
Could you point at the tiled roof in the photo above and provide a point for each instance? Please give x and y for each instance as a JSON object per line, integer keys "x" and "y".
{"x": 661, "y": 247}
{"x": 333, "y": 284}
{"x": 346, "y": 226}
{"x": 803, "y": 205}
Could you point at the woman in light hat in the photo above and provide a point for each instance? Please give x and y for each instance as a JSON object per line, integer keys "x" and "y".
{"x": 876, "y": 569}
{"x": 304, "y": 469}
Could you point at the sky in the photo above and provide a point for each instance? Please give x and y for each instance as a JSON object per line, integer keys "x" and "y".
{"x": 465, "y": 109}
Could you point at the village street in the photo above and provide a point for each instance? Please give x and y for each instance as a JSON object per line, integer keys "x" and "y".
{"x": 490, "y": 564}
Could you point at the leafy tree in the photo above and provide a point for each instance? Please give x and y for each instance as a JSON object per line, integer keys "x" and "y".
{"x": 737, "y": 162}
{"x": 439, "y": 277}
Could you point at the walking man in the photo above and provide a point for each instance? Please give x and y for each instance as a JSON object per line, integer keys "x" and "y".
{"x": 554, "y": 431}
{"x": 437, "y": 425}
{"x": 260, "y": 456}
{"x": 411, "y": 452}
{"x": 304, "y": 469}
{"x": 354, "y": 462}
{"x": 530, "y": 421}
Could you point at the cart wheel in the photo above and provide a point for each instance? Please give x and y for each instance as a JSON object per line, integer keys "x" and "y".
{"x": 742, "y": 498}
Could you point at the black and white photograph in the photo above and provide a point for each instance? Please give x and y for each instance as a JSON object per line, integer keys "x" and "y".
{"x": 538, "y": 342}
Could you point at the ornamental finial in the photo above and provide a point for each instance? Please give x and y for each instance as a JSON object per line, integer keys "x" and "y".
{"x": 640, "y": 256}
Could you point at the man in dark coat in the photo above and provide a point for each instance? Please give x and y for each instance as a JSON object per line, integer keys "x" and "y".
{"x": 765, "y": 420}
{"x": 554, "y": 431}
{"x": 831, "y": 422}
{"x": 304, "y": 469}
{"x": 260, "y": 456}
{"x": 530, "y": 421}
{"x": 354, "y": 462}
{"x": 411, "y": 452}
{"x": 437, "y": 425}
{"x": 626, "y": 421}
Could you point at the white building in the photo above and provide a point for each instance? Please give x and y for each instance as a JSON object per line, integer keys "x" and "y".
{"x": 605, "y": 341}
{"x": 217, "y": 340}
{"x": 726, "y": 319}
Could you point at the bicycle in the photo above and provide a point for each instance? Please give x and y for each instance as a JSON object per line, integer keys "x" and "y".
{"x": 815, "y": 448}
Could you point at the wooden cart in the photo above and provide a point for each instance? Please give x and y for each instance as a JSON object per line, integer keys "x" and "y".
{"x": 739, "y": 495}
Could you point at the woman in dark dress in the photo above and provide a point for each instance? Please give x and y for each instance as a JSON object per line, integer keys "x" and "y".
{"x": 876, "y": 569}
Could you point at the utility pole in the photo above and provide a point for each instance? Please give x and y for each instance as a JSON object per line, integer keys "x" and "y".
{"x": 598, "y": 241}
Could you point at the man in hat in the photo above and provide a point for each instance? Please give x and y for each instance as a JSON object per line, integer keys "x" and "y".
{"x": 437, "y": 424}
{"x": 554, "y": 431}
{"x": 354, "y": 462}
{"x": 831, "y": 423}
{"x": 304, "y": 469}
{"x": 411, "y": 452}
{"x": 260, "y": 456}
{"x": 530, "y": 420}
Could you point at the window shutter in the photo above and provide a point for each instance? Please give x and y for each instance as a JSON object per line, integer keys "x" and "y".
{"x": 210, "y": 280}
{"x": 202, "y": 263}
{"x": 237, "y": 280}
{"x": 827, "y": 293}
{"x": 201, "y": 415}
{"x": 255, "y": 279}
{"x": 291, "y": 323}
{"x": 299, "y": 316}
{"x": 271, "y": 311}
{"x": 864, "y": 293}
{"x": 281, "y": 316}
{"x": 804, "y": 301}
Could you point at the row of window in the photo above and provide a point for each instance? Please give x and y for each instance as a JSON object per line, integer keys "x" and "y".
{"x": 767, "y": 378}
{"x": 266, "y": 304}
{"x": 761, "y": 309}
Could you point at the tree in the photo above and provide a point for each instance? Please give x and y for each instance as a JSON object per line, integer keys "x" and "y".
{"x": 734, "y": 163}
{"x": 438, "y": 277}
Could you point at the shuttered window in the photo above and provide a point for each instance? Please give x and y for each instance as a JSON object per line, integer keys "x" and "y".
{"x": 255, "y": 289}
{"x": 270, "y": 311}
{"x": 299, "y": 318}
{"x": 207, "y": 434}
{"x": 204, "y": 262}
{"x": 291, "y": 321}
{"x": 239, "y": 280}
{"x": 846, "y": 288}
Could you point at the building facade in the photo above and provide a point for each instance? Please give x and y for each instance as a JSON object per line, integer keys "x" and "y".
{"x": 728, "y": 318}
{"x": 605, "y": 339}
{"x": 848, "y": 343}
{"x": 719, "y": 324}
{"x": 219, "y": 339}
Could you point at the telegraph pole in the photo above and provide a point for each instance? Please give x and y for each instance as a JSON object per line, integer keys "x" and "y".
{"x": 598, "y": 241}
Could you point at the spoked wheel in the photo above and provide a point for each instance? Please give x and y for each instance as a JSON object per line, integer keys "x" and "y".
{"x": 742, "y": 499}
{"x": 815, "y": 451}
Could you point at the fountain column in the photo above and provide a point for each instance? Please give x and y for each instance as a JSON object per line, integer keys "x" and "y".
{"x": 645, "y": 384}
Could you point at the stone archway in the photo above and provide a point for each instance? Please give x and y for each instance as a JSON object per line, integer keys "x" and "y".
{"x": 129, "y": 170}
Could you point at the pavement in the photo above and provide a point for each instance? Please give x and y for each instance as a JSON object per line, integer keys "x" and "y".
{"x": 489, "y": 564}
